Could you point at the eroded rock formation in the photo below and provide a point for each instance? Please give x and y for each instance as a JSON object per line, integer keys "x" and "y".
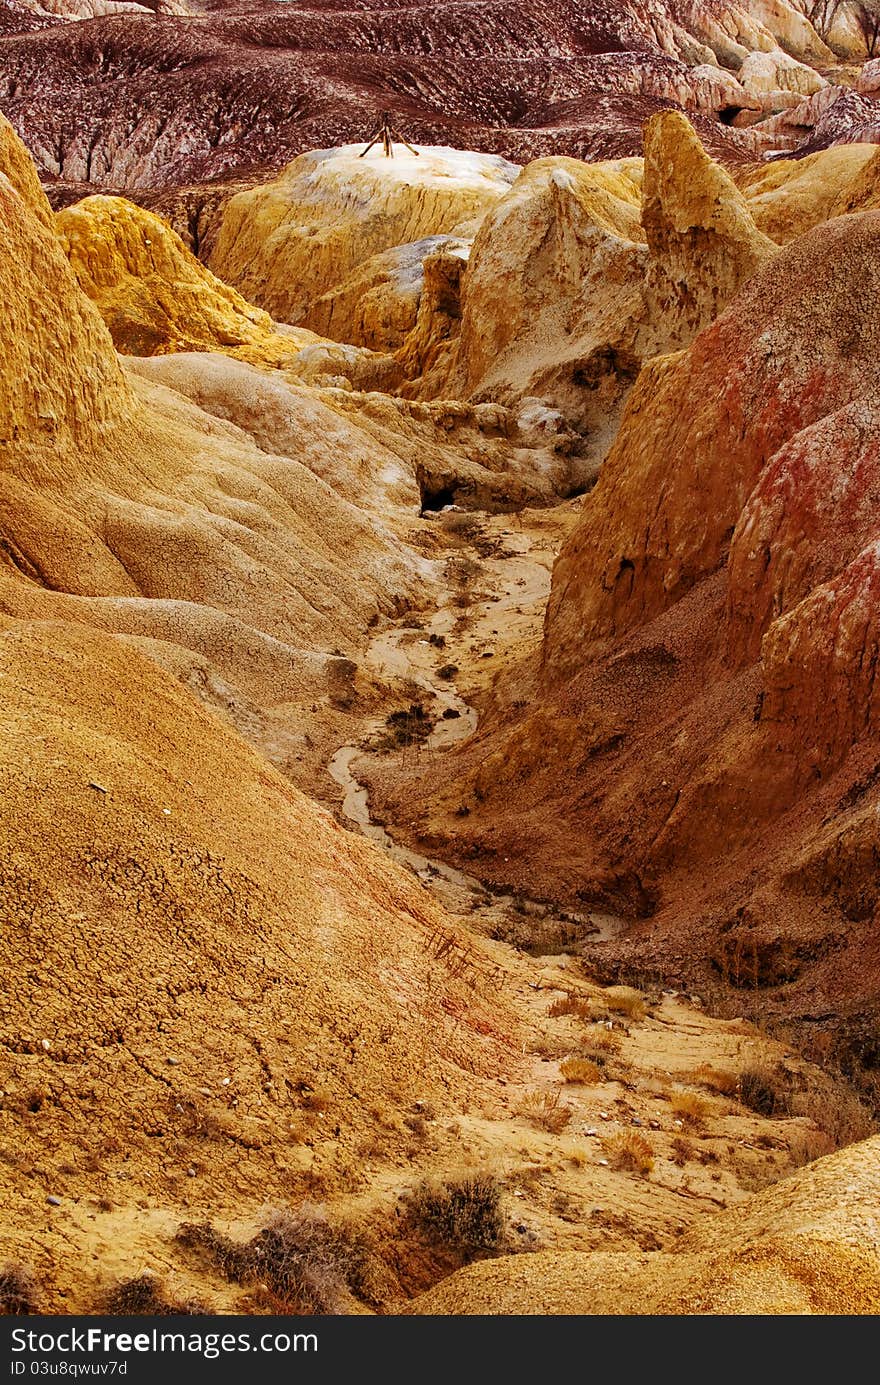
{"x": 202, "y": 94}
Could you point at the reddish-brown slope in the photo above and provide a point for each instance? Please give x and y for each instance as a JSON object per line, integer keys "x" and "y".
{"x": 165, "y": 102}
{"x": 700, "y": 744}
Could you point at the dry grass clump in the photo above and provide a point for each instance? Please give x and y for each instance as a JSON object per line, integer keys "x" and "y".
{"x": 577, "y": 1005}
{"x": 582, "y": 1070}
{"x": 144, "y": 1296}
{"x": 408, "y": 726}
{"x": 546, "y": 1111}
{"x": 625, "y": 1000}
{"x": 18, "y": 1292}
{"x": 629, "y": 1151}
{"x": 601, "y": 1039}
{"x": 755, "y": 1172}
{"x": 764, "y": 1090}
{"x": 689, "y": 1107}
{"x": 298, "y": 1259}
{"x": 804, "y": 1146}
{"x": 684, "y": 1151}
{"x": 464, "y": 1215}
{"x": 838, "y": 1111}
{"x": 721, "y": 1080}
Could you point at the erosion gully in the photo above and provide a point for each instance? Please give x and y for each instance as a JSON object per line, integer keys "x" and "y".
{"x": 520, "y": 580}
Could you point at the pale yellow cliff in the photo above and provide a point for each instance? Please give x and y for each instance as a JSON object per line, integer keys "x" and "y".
{"x": 291, "y": 241}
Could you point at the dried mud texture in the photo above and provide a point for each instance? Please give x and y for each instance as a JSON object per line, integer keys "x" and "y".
{"x": 807, "y": 1246}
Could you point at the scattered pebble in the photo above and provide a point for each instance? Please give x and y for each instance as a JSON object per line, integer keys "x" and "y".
{"x": 53, "y": 1201}
{"x": 636, "y": 1121}
{"x": 604, "y": 1163}
{"x": 172, "y": 1061}
{"x": 45, "y": 1045}
{"x": 591, "y": 1131}
{"x": 191, "y": 1173}
{"x": 226, "y": 1081}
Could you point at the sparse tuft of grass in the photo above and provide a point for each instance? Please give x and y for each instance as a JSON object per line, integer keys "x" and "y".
{"x": 764, "y": 1090}
{"x": 838, "y": 1111}
{"x": 601, "y": 1039}
{"x": 630, "y": 1151}
{"x": 18, "y": 1292}
{"x": 408, "y": 726}
{"x": 576, "y": 1005}
{"x": 545, "y": 1111}
{"x": 684, "y": 1151}
{"x": 689, "y": 1107}
{"x": 625, "y": 1000}
{"x": 464, "y": 1215}
{"x": 300, "y": 1262}
{"x": 144, "y": 1296}
{"x": 582, "y": 1070}
{"x": 720, "y": 1080}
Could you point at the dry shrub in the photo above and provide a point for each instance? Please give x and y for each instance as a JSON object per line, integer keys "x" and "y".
{"x": 545, "y": 1111}
{"x": 629, "y": 1151}
{"x": 755, "y": 1172}
{"x": 720, "y": 1080}
{"x": 405, "y": 727}
{"x": 466, "y": 526}
{"x": 764, "y": 1090}
{"x": 603, "y": 1040}
{"x": 684, "y": 1151}
{"x": 464, "y": 1215}
{"x": 689, "y": 1107}
{"x": 839, "y": 1112}
{"x": 804, "y": 1146}
{"x": 576, "y": 1005}
{"x": 306, "y": 1265}
{"x": 582, "y": 1070}
{"x": 18, "y": 1292}
{"x": 625, "y": 1000}
{"x": 144, "y": 1296}
{"x": 577, "y": 1156}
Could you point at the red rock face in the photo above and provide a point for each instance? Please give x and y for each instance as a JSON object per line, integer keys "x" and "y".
{"x": 812, "y": 511}
{"x": 131, "y": 101}
{"x": 792, "y": 349}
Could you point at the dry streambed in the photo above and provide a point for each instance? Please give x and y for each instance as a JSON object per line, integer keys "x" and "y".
{"x": 640, "y": 1112}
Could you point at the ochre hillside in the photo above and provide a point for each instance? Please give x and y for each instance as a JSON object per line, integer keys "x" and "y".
{"x": 549, "y": 573}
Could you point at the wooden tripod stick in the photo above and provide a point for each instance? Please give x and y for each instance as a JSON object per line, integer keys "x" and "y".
{"x": 386, "y": 135}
